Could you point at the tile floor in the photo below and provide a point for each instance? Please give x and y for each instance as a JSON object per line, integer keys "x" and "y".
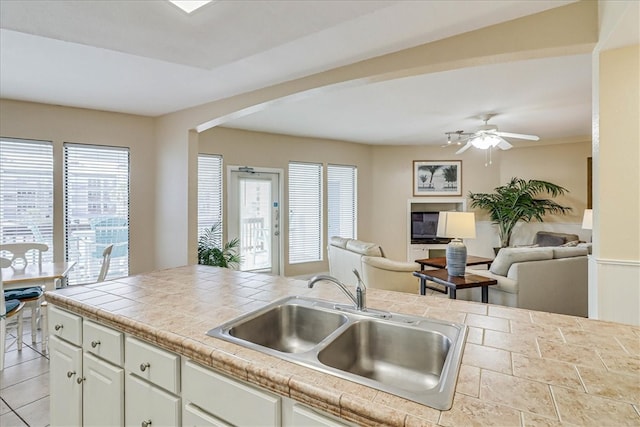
{"x": 24, "y": 383}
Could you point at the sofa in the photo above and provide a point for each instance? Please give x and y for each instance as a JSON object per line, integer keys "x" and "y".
{"x": 376, "y": 270}
{"x": 552, "y": 279}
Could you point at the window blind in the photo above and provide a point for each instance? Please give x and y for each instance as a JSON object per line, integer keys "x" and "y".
{"x": 210, "y": 194}
{"x": 342, "y": 201}
{"x": 26, "y": 193}
{"x": 305, "y": 212}
{"x": 96, "y": 209}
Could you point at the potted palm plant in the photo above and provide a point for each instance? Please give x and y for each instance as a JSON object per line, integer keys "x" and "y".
{"x": 516, "y": 201}
{"x": 211, "y": 251}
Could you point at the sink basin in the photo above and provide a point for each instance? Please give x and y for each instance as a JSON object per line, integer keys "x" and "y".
{"x": 409, "y": 356}
{"x": 402, "y": 357}
{"x": 288, "y": 328}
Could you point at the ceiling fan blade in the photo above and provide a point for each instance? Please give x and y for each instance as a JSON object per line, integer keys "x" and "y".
{"x": 465, "y": 148}
{"x": 504, "y": 144}
{"x": 518, "y": 135}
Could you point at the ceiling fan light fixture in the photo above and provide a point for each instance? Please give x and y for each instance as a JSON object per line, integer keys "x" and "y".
{"x": 485, "y": 141}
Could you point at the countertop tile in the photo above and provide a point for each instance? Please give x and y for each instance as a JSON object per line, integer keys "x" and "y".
{"x": 519, "y": 393}
{"x": 469, "y": 411}
{"x": 579, "y": 355}
{"x": 584, "y": 409}
{"x": 487, "y": 357}
{"x": 488, "y": 323}
{"x": 549, "y": 371}
{"x": 613, "y": 385}
{"x": 511, "y": 342}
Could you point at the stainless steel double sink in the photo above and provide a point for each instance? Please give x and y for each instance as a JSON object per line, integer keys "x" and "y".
{"x": 409, "y": 356}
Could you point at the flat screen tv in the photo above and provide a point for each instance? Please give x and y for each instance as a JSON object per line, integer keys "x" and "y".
{"x": 424, "y": 227}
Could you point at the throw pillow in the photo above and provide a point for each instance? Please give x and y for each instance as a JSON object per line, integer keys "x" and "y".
{"x": 571, "y": 244}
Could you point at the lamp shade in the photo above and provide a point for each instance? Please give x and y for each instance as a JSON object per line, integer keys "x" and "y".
{"x": 587, "y": 219}
{"x": 459, "y": 225}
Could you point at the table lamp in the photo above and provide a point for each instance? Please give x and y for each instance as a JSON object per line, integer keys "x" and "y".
{"x": 456, "y": 225}
{"x": 587, "y": 219}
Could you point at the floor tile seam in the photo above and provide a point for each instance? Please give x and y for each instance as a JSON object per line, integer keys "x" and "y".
{"x": 31, "y": 403}
{"x": 24, "y": 379}
{"x": 11, "y": 410}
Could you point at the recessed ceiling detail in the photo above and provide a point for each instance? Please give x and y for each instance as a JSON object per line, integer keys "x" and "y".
{"x": 190, "y": 5}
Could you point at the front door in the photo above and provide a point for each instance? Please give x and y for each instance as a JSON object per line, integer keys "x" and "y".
{"x": 254, "y": 217}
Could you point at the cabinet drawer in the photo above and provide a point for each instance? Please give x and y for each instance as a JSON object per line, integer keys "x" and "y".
{"x": 153, "y": 364}
{"x": 65, "y": 325}
{"x": 228, "y": 399}
{"x": 104, "y": 342}
{"x": 146, "y": 404}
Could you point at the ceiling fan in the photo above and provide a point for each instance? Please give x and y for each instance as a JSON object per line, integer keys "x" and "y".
{"x": 486, "y": 137}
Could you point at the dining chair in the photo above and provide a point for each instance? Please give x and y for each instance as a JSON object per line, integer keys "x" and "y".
{"x": 10, "y": 313}
{"x": 106, "y": 262}
{"x": 19, "y": 255}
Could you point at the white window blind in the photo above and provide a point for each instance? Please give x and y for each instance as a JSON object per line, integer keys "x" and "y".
{"x": 26, "y": 193}
{"x": 305, "y": 212}
{"x": 342, "y": 201}
{"x": 96, "y": 209}
{"x": 210, "y": 193}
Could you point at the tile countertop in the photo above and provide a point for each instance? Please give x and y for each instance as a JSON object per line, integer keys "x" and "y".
{"x": 519, "y": 367}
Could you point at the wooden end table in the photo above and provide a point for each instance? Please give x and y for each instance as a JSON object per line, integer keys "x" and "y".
{"x": 453, "y": 283}
{"x": 441, "y": 262}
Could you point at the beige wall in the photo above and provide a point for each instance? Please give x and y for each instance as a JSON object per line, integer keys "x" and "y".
{"x": 562, "y": 164}
{"x": 242, "y": 148}
{"x": 62, "y": 124}
{"x": 614, "y": 279}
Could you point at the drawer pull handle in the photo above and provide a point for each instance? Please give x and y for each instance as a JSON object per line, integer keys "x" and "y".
{"x": 70, "y": 374}
{"x": 58, "y": 327}
{"x": 146, "y": 423}
{"x": 143, "y": 367}
{"x": 79, "y": 380}
{"x": 94, "y": 344}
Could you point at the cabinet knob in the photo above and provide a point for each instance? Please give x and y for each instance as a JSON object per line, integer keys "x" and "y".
{"x": 146, "y": 423}
{"x": 94, "y": 344}
{"x": 79, "y": 380}
{"x": 143, "y": 367}
{"x": 57, "y": 327}
{"x": 70, "y": 374}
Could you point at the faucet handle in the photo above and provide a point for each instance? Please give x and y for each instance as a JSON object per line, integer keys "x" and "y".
{"x": 360, "y": 282}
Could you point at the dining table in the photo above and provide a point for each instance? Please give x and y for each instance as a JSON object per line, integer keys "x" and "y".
{"x": 48, "y": 274}
{"x": 45, "y": 274}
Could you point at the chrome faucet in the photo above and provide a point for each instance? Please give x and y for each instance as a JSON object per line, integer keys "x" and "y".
{"x": 359, "y": 301}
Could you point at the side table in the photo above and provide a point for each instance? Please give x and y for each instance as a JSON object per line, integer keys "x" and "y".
{"x": 453, "y": 283}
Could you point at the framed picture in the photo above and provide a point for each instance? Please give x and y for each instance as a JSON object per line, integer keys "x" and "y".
{"x": 437, "y": 178}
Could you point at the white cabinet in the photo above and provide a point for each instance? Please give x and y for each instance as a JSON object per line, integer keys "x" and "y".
{"x": 303, "y": 416}
{"x": 102, "y": 402}
{"x": 85, "y": 389}
{"x": 228, "y": 400}
{"x": 101, "y": 377}
{"x": 65, "y": 393}
{"x": 153, "y": 364}
{"x": 147, "y": 405}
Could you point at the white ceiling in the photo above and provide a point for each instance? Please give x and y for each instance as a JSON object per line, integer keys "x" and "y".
{"x": 150, "y": 58}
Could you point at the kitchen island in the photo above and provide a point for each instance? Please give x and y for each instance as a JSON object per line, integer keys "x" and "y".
{"x": 519, "y": 367}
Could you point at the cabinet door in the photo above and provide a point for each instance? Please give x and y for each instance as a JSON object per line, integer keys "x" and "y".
{"x": 192, "y": 416}
{"x": 306, "y": 417}
{"x": 65, "y": 368}
{"x": 103, "y": 393}
{"x": 148, "y": 405}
